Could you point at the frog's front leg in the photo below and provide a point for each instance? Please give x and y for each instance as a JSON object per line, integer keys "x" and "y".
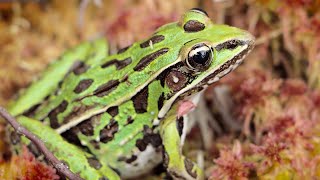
{"x": 177, "y": 165}
{"x": 86, "y": 165}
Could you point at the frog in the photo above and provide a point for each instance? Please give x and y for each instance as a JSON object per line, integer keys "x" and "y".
{"x": 117, "y": 116}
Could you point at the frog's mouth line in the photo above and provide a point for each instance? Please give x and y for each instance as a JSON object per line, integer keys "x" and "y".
{"x": 203, "y": 83}
{"x": 228, "y": 66}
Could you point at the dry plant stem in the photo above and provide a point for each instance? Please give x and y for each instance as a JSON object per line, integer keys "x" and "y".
{"x": 62, "y": 168}
{"x": 271, "y": 35}
{"x": 82, "y": 8}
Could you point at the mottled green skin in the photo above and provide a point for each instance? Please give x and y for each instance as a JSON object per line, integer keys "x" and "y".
{"x": 123, "y": 143}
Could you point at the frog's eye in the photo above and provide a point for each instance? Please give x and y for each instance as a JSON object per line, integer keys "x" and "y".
{"x": 199, "y": 57}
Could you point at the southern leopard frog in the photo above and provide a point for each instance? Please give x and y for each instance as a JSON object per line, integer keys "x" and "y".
{"x": 111, "y": 116}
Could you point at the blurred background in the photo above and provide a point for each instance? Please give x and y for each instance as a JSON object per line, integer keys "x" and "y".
{"x": 268, "y": 110}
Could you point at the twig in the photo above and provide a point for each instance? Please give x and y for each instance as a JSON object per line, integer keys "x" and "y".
{"x": 271, "y": 35}
{"x": 61, "y": 167}
{"x": 82, "y": 8}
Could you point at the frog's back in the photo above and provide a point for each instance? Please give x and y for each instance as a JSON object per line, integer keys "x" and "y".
{"x": 88, "y": 88}
{"x": 96, "y": 83}
{"x": 109, "y": 105}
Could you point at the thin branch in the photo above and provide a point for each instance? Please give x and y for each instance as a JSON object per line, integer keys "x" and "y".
{"x": 82, "y": 8}
{"x": 61, "y": 167}
{"x": 271, "y": 35}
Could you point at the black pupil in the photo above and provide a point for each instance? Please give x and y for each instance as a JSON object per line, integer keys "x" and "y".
{"x": 201, "y": 57}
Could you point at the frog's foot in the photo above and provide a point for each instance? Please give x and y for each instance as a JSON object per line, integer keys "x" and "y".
{"x": 178, "y": 166}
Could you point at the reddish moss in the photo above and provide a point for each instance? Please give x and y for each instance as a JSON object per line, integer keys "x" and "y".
{"x": 231, "y": 165}
{"x": 26, "y": 167}
{"x": 271, "y": 148}
{"x": 293, "y": 87}
{"x": 298, "y": 3}
{"x": 281, "y": 124}
{"x": 316, "y": 99}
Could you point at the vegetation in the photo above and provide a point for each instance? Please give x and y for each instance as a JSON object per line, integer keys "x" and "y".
{"x": 275, "y": 93}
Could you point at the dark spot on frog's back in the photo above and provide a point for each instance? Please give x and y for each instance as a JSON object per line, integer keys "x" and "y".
{"x": 128, "y": 160}
{"x": 86, "y": 127}
{"x": 76, "y": 111}
{"x": 83, "y": 85}
{"x": 146, "y": 60}
{"x": 140, "y": 101}
{"x": 71, "y": 136}
{"x": 141, "y": 145}
{"x": 79, "y": 67}
{"x": 153, "y": 40}
{"x": 95, "y": 144}
{"x": 94, "y": 162}
{"x": 31, "y": 111}
{"x": 130, "y": 120}
{"x": 54, "y": 113}
{"x": 107, "y": 133}
{"x": 124, "y": 49}
{"x": 149, "y": 137}
{"x": 106, "y": 88}
{"x": 154, "y": 139}
{"x": 193, "y": 26}
{"x": 113, "y": 111}
{"x": 131, "y": 159}
{"x": 120, "y": 64}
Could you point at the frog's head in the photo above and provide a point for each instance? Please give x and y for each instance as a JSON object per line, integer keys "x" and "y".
{"x": 209, "y": 52}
